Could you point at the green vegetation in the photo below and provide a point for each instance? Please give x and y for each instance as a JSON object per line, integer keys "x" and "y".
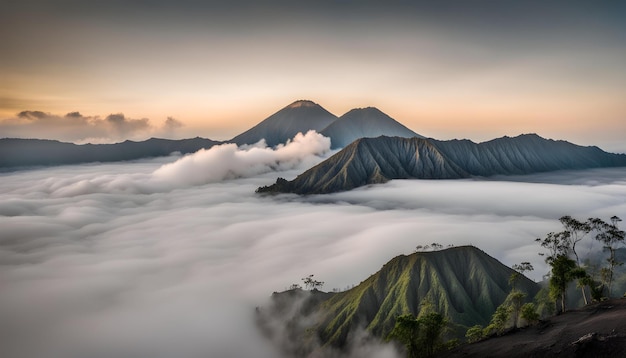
{"x": 565, "y": 265}
{"x": 422, "y": 336}
{"x": 474, "y": 334}
{"x": 498, "y": 321}
{"x": 426, "y": 301}
{"x": 529, "y": 313}
{"x": 611, "y": 237}
{"x": 463, "y": 284}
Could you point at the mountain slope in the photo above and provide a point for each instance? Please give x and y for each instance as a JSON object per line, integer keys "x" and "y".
{"x": 364, "y": 123}
{"x": 300, "y": 116}
{"x": 378, "y": 160}
{"x": 463, "y": 283}
{"x": 597, "y": 330}
{"x": 524, "y": 154}
{"x": 36, "y": 152}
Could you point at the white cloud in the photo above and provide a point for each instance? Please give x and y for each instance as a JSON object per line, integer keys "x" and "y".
{"x": 227, "y": 161}
{"x": 98, "y": 261}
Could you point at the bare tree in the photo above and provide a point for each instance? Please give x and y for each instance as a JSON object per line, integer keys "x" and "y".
{"x": 574, "y": 232}
{"x": 311, "y": 283}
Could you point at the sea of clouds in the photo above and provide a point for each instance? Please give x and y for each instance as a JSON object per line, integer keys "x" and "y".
{"x": 169, "y": 257}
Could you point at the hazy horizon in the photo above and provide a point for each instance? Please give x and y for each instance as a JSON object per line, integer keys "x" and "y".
{"x": 445, "y": 69}
{"x": 74, "y": 127}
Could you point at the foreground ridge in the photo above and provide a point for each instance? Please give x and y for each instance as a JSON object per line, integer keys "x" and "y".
{"x": 463, "y": 283}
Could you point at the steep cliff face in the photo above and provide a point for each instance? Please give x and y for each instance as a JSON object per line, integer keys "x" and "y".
{"x": 298, "y": 117}
{"x": 377, "y": 160}
{"x": 364, "y": 123}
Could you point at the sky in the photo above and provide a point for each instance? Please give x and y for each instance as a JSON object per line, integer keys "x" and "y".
{"x": 169, "y": 257}
{"x": 446, "y": 69}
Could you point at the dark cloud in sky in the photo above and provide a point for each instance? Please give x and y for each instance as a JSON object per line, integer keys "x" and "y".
{"x": 172, "y": 123}
{"x": 74, "y": 127}
{"x": 91, "y": 267}
{"x": 122, "y": 125}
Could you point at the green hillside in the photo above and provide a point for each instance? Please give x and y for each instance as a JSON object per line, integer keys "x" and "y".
{"x": 462, "y": 283}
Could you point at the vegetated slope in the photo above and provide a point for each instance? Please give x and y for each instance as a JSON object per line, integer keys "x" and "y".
{"x": 300, "y": 116}
{"x": 364, "y": 123}
{"x": 462, "y": 283}
{"x": 38, "y": 152}
{"x": 378, "y": 160}
{"x": 594, "y": 331}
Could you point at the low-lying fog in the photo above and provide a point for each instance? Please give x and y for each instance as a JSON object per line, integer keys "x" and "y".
{"x": 146, "y": 259}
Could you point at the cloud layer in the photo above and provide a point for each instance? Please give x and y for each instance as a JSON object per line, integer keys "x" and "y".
{"x": 227, "y": 161}
{"x": 94, "y": 266}
{"x": 77, "y": 128}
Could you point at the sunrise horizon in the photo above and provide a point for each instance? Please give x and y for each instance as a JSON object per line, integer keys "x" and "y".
{"x": 447, "y": 71}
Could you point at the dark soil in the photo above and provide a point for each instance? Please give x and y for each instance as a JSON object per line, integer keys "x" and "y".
{"x": 596, "y": 330}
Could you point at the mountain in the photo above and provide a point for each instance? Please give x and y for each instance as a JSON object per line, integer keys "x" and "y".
{"x": 378, "y": 160}
{"x": 364, "y": 123}
{"x": 300, "y": 116}
{"x": 37, "y": 152}
{"x": 462, "y": 283}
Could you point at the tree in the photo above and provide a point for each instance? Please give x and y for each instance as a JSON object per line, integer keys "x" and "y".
{"x": 574, "y": 232}
{"x": 295, "y": 286}
{"x": 584, "y": 280}
{"x": 499, "y": 320}
{"x": 562, "y": 274}
{"x": 529, "y": 313}
{"x": 406, "y": 331}
{"x": 560, "y": 245}
{"x": 474, "y": 334}
{"x": 311, "y": 283}
{"x": 518, "y": 271}
{"x": 516, "y": 300}
{"x": 421, "y": 336}
{"x": 555, "y": 243}
{"x": 611, "y": 237}
{"x": 436, "y": 246}
{"x": 432, "y": 327}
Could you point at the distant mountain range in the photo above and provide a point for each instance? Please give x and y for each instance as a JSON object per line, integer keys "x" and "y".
{"x": 462, "y": 283}
{"x": 302, "y": 116}
{"x": 40, "y": 152}
{"x": 378, "y": 160}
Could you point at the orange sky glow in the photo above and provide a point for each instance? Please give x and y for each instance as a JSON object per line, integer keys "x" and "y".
{"x": 441, "y": 72}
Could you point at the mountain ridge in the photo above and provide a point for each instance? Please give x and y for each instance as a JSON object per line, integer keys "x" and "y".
{"x": 378, "y": 160}
{"x": 18, "y": 152}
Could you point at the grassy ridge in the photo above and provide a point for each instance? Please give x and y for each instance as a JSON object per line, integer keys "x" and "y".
{"x": 463, "y": 283}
